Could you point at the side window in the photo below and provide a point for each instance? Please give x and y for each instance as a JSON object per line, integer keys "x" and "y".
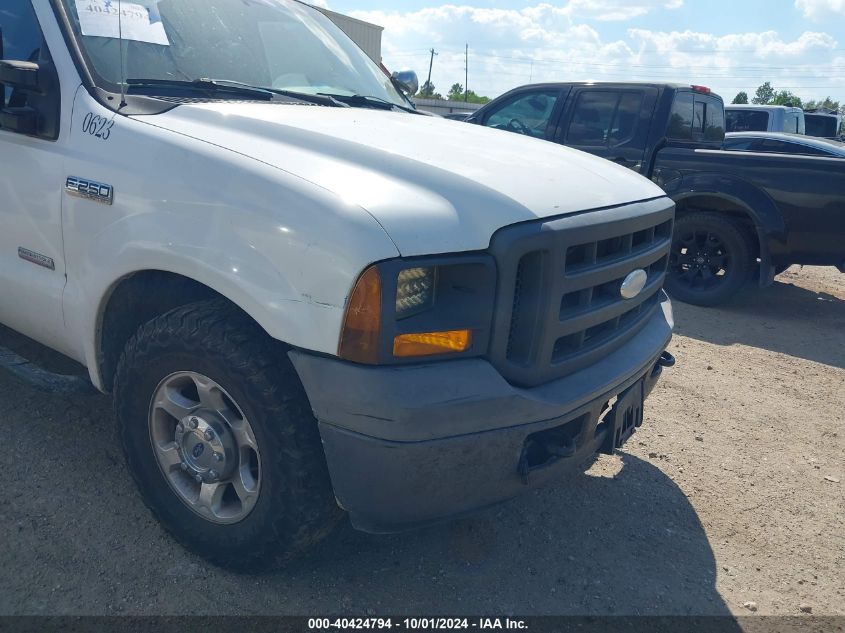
{"x": 21, "y": 40}
{"x": 739, "y": 145}
{"x": 714, "y": 122}
{"x": 774, "y": 147}
{"x": 627, "y": 115}
{"x": 698, "y": 118}
{"x": 806, "y": 150}
{"x": 747, "y": 121}
{"x": 21, "y": 36}
{"x": 791, "y": 123}
{"x": 527, "y": 114}
{"x": 681, "y": 118}
{"x": 592, "y": 119}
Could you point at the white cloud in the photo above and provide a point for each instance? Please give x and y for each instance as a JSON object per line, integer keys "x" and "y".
{"x": 817, "y": 9}
{"x": 544, "y": 42}
{"x": 610, "y": 10}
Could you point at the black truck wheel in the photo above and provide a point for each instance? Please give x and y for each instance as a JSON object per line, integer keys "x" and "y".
{"x": 711, "y": 259}
{"x": 220, "y": 438}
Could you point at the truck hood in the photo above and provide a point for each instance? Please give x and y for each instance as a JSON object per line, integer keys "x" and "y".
{"x": 434, "y": 185}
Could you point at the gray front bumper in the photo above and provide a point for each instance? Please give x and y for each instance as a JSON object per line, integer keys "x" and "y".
{"x": 415, "y": 444}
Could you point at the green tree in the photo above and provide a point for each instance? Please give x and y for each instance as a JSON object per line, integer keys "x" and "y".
{"x": 785, "y": 97}
{"x": 456, "y": 93}
{"x": 764, "y": 94}
{"x": 428, "y": 91}
{"x": 827, "y": 104}
{"x": 741, "y": 98}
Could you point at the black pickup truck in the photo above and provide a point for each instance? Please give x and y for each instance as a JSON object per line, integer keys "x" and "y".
{"x": 741, "y": 215}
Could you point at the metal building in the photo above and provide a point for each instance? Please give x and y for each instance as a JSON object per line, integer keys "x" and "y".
{"x": 364, "y": 34}
{"x": 443, "y": 107}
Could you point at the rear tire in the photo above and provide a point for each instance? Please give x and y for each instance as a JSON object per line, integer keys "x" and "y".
{"x": 711, "y": 260}
{"x": 211, "y": 363}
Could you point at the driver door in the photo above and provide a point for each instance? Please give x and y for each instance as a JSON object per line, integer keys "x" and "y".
{"x": 611, "y": 123}
{"x": 530, "y": 112}
{"x": 32, "y": 269}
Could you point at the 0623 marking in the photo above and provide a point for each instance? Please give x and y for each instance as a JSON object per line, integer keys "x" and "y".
{"x": 97, "y": 125}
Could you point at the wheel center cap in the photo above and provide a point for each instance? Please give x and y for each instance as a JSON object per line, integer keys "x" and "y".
{"x": 700, "y": 260}
{"x": 206, "y": 446}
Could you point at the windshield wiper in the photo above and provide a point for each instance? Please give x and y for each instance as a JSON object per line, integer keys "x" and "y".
{"x": 205, "y": 85}
{"x": 232, "y": 87}
{"x": 365, "y": 101}
{"x": 317, "y": 99}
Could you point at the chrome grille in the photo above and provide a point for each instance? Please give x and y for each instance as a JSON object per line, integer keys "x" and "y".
{"x": 560, "y": 303}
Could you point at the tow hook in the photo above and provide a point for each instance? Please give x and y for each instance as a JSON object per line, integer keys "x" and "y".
{"x": 666, "y": 360}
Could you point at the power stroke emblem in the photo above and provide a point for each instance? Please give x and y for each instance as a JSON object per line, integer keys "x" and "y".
{"x": 36, "y": 258}
{"x": 90, "y": 190}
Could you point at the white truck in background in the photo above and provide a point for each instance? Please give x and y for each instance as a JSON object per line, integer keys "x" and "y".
{"x": 302, "y": 294}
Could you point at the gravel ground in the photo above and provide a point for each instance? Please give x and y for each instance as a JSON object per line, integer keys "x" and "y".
{"x": 730, "y": 499}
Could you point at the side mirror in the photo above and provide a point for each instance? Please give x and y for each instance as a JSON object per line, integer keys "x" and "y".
{"x": 20, "y": 75}
{"x": 407, "y": 81}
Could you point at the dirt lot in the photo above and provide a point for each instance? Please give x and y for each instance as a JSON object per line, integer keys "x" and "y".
{"x": 731, "y": 494}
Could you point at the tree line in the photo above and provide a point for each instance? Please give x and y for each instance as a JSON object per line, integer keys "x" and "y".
{"x": 768, "y": 95}
{"x": 765, "y": 95}
{"x": 456, "y": 93}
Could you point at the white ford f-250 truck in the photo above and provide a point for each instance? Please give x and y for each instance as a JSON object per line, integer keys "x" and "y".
{"x": 302, "y": 294}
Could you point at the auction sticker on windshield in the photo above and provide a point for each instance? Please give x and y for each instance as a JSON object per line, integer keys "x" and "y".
{"x": 110, "y": 18}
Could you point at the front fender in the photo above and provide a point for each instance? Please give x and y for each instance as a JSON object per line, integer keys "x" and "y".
{"x": 283, "y": 301}
{"x": 284, "y": 250}
{"x": 760, "y": 207}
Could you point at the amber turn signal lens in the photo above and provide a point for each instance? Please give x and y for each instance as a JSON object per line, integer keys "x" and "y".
{"x": 359, "y": 338}
{"x": 432, "y": 343}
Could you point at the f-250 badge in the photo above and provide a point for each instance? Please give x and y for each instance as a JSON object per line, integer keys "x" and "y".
{"x": 96, "y": 191}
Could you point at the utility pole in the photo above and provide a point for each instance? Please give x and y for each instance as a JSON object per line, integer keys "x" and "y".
{"x": 430, "y": 66}
{"x": 466, "y": 75}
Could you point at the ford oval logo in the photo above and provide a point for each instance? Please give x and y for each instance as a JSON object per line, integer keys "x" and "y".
{"x": 198, "y": 450}
{"x": 634, "y": 284}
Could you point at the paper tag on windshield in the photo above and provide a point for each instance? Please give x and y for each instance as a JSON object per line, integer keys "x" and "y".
{"x": 99, "y": 18}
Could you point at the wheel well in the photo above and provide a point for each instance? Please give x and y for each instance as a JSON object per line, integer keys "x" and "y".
{"x": 696, "y": 204}
{"x": 135, "y": 300}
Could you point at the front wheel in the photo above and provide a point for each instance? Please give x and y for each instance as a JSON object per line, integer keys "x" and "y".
{"x": 220, "y": 438}
{"x": 711, "y": 259}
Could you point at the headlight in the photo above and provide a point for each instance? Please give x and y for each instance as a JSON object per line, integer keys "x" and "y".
{"x": 438, "y": 307}
{"x": 414, "y": 291}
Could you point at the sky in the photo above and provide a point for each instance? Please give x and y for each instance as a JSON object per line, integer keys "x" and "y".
{"x": 728, "y": 45}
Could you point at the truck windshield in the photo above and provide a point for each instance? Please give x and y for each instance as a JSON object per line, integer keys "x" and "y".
{"x": 823, "y": 125}
{"x": 277, "y": 44}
